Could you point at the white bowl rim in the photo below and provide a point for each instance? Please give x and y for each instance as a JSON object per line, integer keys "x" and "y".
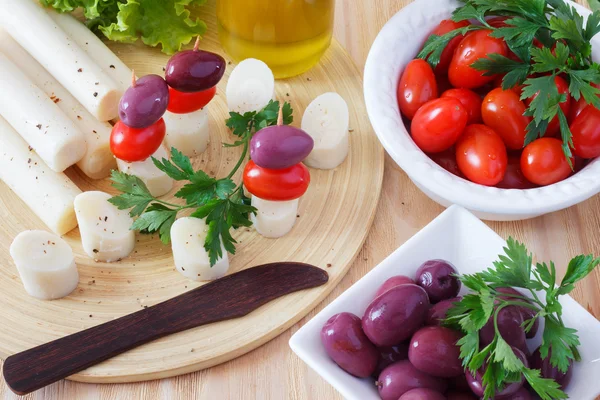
{"x": 381, "y": 101}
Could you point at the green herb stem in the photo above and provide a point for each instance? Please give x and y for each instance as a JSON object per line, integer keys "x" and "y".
{"x": 240, "y": 161}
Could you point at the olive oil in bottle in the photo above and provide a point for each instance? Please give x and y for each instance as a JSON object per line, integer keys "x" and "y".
{"x": 290, "y": 36}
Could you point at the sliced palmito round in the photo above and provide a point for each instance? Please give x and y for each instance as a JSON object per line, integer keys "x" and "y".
{"x": 45, "y": 263}
{"x": 104, "y": 229}
{"x": 250, "y": 87}
{"x": 274, "y": 219}
{"x": 188, "y": 133}
{"x": 157, "y": 182}
{"x": 188, "y": 235}
{"x": 326, "y": 120}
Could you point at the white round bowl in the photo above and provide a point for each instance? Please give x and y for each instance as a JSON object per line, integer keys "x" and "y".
{"x": 398, "y": 42}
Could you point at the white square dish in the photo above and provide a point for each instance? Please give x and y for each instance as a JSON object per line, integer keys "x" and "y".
{"x": 459, "y": 237}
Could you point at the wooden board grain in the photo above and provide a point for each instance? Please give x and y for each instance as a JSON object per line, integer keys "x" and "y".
{"x": 333, "y": 221}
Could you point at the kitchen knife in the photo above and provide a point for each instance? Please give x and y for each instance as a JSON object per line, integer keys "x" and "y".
{"x": 232, "y": 296}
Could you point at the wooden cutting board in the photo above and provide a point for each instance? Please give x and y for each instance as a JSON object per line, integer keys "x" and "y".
{"x": 333, "y": 220}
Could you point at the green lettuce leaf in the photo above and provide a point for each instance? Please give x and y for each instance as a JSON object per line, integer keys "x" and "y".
{"x": 164, "y": 22}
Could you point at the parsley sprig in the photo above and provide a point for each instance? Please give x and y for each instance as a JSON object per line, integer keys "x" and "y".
{"x": 221, "y": 201}
{"x": 516, "y": 269}
{"x": 566, "y": 51}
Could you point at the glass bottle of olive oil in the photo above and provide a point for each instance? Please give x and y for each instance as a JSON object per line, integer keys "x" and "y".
{"x": 289, "y": 35}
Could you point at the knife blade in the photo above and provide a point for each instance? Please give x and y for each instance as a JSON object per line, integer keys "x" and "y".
{"x": 232, "y": 296}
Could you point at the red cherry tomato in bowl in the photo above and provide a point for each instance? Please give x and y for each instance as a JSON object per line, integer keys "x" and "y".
{"x": 136, "y": 144}
{"x": 447, "y": 160}
{"x": 470, "y": 100}
{"x": 502, "y": 110}
{"x": 444, "y": 27}
{"x": 481, "y": 155}
{"x": 514, "y": 178}
{"x": 586, "y": 133}
{"x": 475, "y": 46}
{"x": 417, "y": 86}
{"x": 578, "y": 106}
{"x": 438, "y": 124}
{"x": 553, "y": 129}
{"x": 183, "y": 102}
{"x": 276, "y": 184}
{"x": 544, "y": 163}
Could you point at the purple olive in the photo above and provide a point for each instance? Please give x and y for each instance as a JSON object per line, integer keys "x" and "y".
{"x": 194, "y": 70}
{"x": 509, "y": 325}
{"x": 279, "y": 147}
{"x": 437, "y": 312}
{"x": 347, "y": 345}
{"x": 145, "y": 102}
{"x": 548, "y": 371}
{"x": 422, "y": 394}
{"x": 392, "y": 282}
{"x": 528, "y": 313}
{"x": 477, "y": 387}
{"x": 390, "y": 355}
{"x": 459, "y": 384}
{"x": 433, "y": 350}
{"x": 438, "y": 278}
{"x": 395, "y": 315}
{"x": 453, "y": 395}
{"x": 521, "y": 394}
{"x": 401, "y": 377}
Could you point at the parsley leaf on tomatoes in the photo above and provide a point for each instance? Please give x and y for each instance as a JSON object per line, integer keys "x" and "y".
{"x": 435, "y": 44}
{"x": 550, "y": 37}
{"x": 516, "y": 72}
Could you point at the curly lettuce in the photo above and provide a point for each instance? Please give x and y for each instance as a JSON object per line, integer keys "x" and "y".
{"x": 167, "y": 23}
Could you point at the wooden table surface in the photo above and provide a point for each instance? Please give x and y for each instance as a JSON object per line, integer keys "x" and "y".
{"x": 273, "y": 371}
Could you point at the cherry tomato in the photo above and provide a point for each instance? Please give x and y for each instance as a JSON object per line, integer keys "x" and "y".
{"x": 276, "y": 184}
{"x": 580, "y": 163}
{"x": 183, "y": 103}
{"x": 136, "y": 144}
{"x": 475, "y": 46}
{"x": 438, "y": 124}
{"x": 503, "y": 112}
{"x": 586, "y": 133}
{"x": 500, "y": 22}
{"x": 447, "y": 160}
{"x": 444, "y": 27}
{"x": 544, "y": 163}
{"x": 417, "y": 86}
{"x": 553, "y": 129}
{"x": 443, "y": 83}
{"x": 578, "y": 106}
{"x": 481, "y": 155}
{"x": 470, "y": 100}
{"x": 518, "y": 89}
{"x": 514, "y": 178}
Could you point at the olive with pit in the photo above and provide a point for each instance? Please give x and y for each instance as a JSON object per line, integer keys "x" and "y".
{"x": 433, "y": 350}
{"x": 395, "y": 315}
{"x": 440, "y": 280}
{"x": 347, "y": 345}
{"x": 438, "y": 312}
{"x": 548, "y": 371}
{"x": 422, "y": 394}
{"x": 280, "y": 146}
{"x": 392, "y": 282}
{"x": 475, "y": 381}
{"x": 401, "y": 377}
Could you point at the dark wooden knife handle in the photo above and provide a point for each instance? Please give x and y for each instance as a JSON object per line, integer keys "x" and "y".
{"x": 230, "y": 297}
